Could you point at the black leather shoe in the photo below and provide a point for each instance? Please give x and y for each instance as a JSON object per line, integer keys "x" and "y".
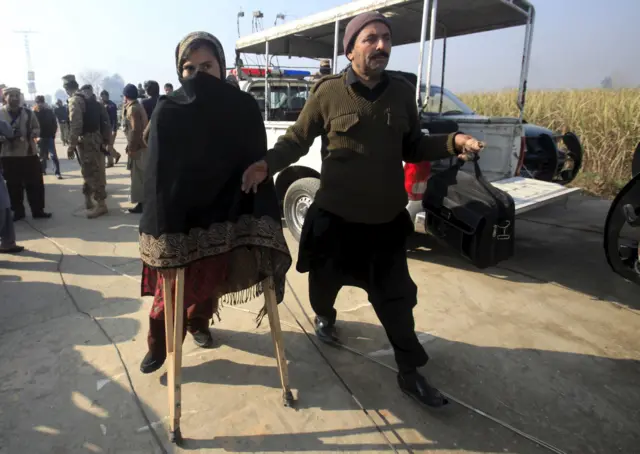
{"x": 18, "y": 217}
{"x": 203, "y": 339}
{"x": 416, "y": 386}
{"x": 136, "y": 209}
{"x": 325, "y": 330}
{"x": 12, "y": 250}
{"x": 41, "y": 215}
{"x": 150, "y": 364}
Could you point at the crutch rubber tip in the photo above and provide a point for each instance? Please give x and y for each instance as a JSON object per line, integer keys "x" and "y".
{"x": 287, "y": 399}
{"x": 175, "y": 436}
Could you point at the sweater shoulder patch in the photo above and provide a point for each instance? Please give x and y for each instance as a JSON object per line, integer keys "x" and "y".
{"x": 401, "y": 80}
{"x": 325, "y": 79}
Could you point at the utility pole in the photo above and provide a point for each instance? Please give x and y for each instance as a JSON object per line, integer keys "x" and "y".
{"x": 31, "y": 76}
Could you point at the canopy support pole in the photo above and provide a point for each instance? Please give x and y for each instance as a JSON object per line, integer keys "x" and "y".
{"x": 336, "y": 38}
{"x": 526, "y": 58}
{"x": 423, "y": 38}
{"x": 266, "y": 83}
{"x": 432, "y": 39}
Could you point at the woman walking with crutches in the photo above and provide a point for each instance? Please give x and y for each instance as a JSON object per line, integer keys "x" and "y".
{"x": 202, "y": 239}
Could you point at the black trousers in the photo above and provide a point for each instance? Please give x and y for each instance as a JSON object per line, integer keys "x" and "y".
{"x": 24, "y": 174}
{"x": 370, "y": 257}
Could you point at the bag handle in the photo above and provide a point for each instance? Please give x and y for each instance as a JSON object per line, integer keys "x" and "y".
{"x": 489, "y": 189}
{"x": 475, "y": 158}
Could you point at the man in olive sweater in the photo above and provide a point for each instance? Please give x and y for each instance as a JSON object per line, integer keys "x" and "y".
{"x": 355, "y": 231}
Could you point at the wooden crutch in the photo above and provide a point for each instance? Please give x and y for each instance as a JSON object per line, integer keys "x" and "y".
{"x": 174, "y": 347}
{"x": 276, "y": 336}
{"x": 174, "y": 350}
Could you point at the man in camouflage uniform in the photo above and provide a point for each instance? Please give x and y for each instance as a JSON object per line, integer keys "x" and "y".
{"x": 112, "y": 110}
{"x": 105, "y": 126}
{"x": 85, "y": 137}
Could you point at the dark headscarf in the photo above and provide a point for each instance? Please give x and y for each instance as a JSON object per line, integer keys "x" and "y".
{"x": 202, "y": 138}
{"x": 195, "y": 40}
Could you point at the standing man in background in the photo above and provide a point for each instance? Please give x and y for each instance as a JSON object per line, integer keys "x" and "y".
{"x": 136, "y": 121}
{"x": 141, "y": 92}
{"x": 20, "y": 161}
{"x": 85, "y": 137}
{"x": 153, "y": 90}
{"x": 112, "y": 111}
{"x": 105, "y": 128}
{"x": 7, "y": 232}
{"x": 168, "y": 88}
{"x": 62, "y": 114}
{"x": 47, "y": 140}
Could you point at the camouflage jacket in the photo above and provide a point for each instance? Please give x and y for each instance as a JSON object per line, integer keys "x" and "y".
{"x": 77, "y": 108}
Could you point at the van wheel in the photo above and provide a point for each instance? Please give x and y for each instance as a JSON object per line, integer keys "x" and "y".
{"x": 297, "y": 201}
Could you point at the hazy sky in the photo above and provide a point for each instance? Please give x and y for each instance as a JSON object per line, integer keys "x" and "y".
{"x": 576, "y": 42}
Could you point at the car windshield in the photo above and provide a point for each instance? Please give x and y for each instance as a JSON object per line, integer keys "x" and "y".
{"x": 451, "y": 104}
{"x": 282, "y": 95}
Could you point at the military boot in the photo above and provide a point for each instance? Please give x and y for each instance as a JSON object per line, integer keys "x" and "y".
{"x": 88, "y": 202}
{"x": 99, "y": 210}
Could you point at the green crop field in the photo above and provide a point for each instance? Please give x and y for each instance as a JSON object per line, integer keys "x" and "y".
{"x": 607, "y": 122}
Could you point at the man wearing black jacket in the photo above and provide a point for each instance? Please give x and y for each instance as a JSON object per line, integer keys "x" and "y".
{"x": 47, "y": 138}
{"x": 153, "y": 90}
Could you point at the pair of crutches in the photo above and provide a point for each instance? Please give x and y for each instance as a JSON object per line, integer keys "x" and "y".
{"x": 173, "y": 328}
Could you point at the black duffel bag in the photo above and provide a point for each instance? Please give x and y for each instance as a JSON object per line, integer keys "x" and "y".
{"x": 469, "y": 214}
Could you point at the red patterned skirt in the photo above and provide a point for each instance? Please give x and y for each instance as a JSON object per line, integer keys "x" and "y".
{"x": 201, "y": 287}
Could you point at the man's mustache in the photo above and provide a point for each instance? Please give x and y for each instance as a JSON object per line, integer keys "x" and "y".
{"x": 379, "y": 54}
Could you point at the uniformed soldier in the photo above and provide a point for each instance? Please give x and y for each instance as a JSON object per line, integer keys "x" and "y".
{"x": 105, "y": 126}
{"x": 112, "y": 110}
{"x": 355, "y": 231}
{"x": 325, "y": 70}
{"x": 86, "y": 137}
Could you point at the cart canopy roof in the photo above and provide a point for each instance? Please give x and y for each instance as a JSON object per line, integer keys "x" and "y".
{"x": 313, "y": 36}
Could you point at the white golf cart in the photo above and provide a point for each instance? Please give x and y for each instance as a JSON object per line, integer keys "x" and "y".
{"x": 320, "y": 36}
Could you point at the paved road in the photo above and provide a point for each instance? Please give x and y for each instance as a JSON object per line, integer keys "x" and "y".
{"x": 546, "y": 343}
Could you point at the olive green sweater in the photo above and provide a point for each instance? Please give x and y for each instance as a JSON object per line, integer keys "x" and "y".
{"x": 362, "y": 176}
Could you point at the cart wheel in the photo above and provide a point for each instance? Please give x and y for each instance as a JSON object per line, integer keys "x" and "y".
{"x": 622, "y": 253}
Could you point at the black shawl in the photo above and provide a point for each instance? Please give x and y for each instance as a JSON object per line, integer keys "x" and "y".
{"x": 202, "y": 138}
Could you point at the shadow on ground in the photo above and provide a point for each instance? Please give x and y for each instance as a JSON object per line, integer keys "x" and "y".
{"x": 53, "y": 397}
{"x": 580, "y": 403}
{"x": 553, "y": 245}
